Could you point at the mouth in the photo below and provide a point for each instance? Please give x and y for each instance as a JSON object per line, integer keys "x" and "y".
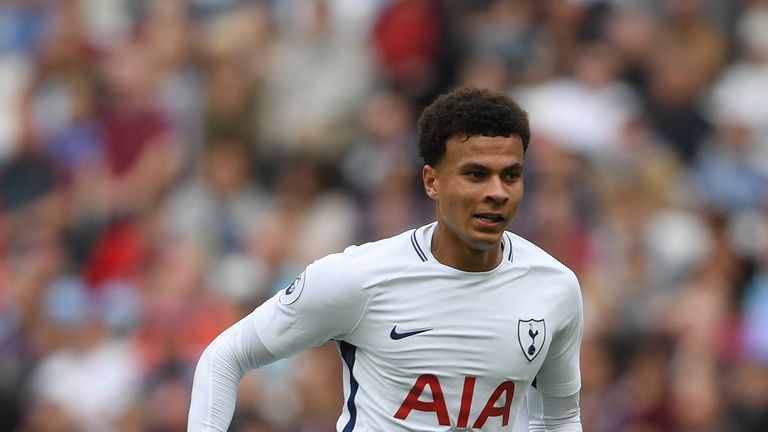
{"x": 489, "y": 219}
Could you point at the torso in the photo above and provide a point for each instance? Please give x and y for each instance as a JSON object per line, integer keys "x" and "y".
{"x": 438, "y": 349}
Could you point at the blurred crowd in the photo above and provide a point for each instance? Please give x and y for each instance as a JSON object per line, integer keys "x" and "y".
{"x": 167, "y": 165}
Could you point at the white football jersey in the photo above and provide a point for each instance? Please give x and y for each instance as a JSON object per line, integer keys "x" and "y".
{"x": 427, "y": 347}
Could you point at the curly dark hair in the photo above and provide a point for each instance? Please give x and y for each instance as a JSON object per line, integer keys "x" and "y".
{"x": 469, "y": 111}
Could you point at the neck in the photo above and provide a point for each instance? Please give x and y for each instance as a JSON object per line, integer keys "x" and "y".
{"x": 451, "y": 251}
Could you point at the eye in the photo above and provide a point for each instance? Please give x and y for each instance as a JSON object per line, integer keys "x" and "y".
{"x": 475, "y": 175}
{"x": 511, "y": 176}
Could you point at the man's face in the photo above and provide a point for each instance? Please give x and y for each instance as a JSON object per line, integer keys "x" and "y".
{"x": 477, "y": 187}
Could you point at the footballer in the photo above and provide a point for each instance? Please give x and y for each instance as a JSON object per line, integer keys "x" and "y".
{"x": 446, "y": 327}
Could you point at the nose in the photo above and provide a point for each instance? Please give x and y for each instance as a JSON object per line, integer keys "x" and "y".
{"x": 496, "y": 191}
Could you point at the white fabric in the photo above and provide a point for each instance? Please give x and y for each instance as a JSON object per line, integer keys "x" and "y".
{"x": 521, "y": 422}
{"x": 219, "y": 371}
{"x": 553, "y": 414}
{"x": 474, "y": 343}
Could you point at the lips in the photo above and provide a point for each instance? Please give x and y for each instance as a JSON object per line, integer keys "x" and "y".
{"x": 489, "y": 218}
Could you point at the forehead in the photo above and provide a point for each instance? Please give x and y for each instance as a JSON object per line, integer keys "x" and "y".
{"x": 484, "y": 150}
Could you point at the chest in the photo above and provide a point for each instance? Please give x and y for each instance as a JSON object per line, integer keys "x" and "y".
{"x": 495, "y": 329}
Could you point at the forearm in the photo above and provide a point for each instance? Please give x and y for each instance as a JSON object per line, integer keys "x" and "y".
{"x": 553, "y": 414}
{"x": 217, "y": 376}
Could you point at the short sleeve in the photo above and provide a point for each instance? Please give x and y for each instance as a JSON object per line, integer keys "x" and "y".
{"x": 559, "y": 375}
{"x": 324, "y": 302}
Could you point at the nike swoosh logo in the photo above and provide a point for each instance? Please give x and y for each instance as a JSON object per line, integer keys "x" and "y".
{"x": 397, "y": 336}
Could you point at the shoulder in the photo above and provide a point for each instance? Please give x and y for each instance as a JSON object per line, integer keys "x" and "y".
{"x": 554, "y": 281}
{"x": 369, "y": 263}
{"x": 543, "y": 265}
{"x": 527, "y": 254}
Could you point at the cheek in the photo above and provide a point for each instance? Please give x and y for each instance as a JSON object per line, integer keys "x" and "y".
{"x": 459, "y": 201}
{"x": 515, "y": 197}
{"x": 518, "y": 191}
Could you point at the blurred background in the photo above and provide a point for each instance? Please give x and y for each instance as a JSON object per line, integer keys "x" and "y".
{"x": 166, "y": 166}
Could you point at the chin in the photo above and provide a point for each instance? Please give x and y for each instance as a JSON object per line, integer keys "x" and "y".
{"x": 485, "y": 241}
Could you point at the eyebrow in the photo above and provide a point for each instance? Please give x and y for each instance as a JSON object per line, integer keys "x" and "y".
{"x": 478, "y": 167}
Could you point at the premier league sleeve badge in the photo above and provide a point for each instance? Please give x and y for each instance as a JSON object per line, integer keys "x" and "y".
{"x": 291, "y": 293}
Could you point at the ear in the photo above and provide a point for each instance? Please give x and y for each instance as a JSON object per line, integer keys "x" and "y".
{"x": 429, "y": 175}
